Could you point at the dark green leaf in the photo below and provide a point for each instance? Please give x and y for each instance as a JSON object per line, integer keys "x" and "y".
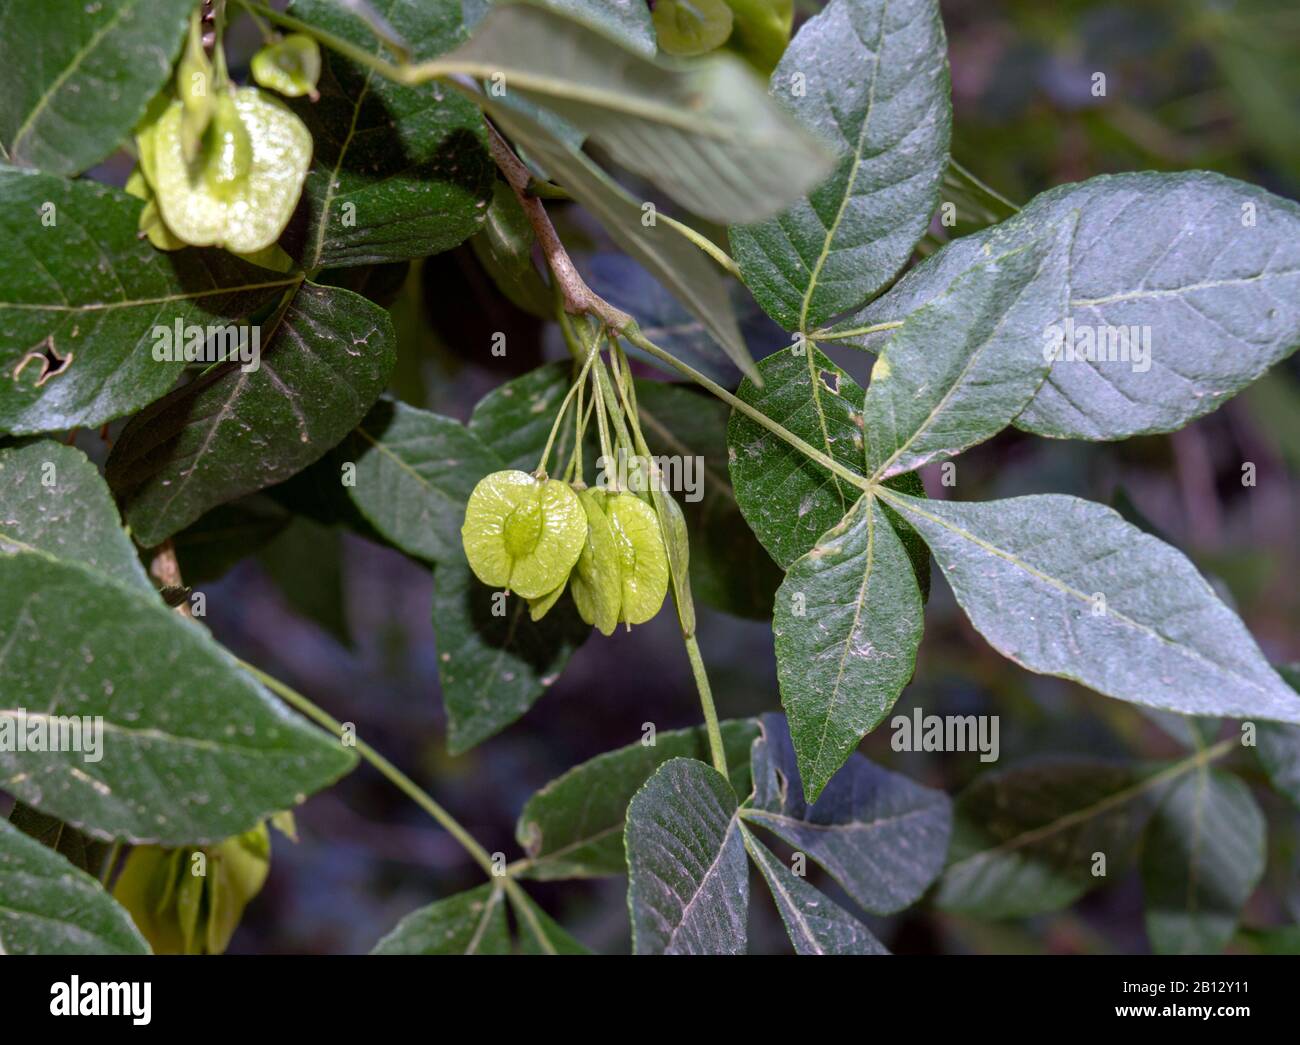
{"x": 688, "y": 881}
{"x": 56, "y": 502}
{"x": 1027, "y": 839}
{"x": 1278, "y": 746}
{"x": 514, "y": 419}
{"x": 573, "y": 827}
{"x": 704, "y": 132}
{"x": 1066, "y": 587}
{"x": 306, "y": 563}
{"x": 231, "y": 432}
{"x": 879, "y": 834}
{"x": 1203, "y": 857}
{"x": 81, "y": 303}
{"x": 472, "y": 922}
{"x": 83, "y": 852}
{"x": 814, "y": 923}
{"x": 847, "y": 622}
{"x": 414, "y": 472}
{"x": 871, "y": 79}
{"x": 504, "y": 247}
{"x": 788, "y": 500}
{"x": 75, "y": 76}
{"x": 399, "y": 172}
{"x": 494, "y": 667}
{"x": 47, "y": 906}
{"x": 191, "y": 748}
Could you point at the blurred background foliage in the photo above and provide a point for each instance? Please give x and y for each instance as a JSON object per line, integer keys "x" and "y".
{"x": 1211, "y": 84}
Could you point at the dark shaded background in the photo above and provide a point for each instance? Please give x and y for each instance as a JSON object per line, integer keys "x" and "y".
{"x": 1190, "y": 84}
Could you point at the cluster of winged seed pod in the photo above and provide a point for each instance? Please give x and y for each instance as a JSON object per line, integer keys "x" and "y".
{"x": 535, "y": 536}
{"x": 221, "y": 165}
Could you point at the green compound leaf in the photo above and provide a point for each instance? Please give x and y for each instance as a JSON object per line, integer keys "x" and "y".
{"x": 494, "y": 666}
{"x": 788, "y": 500}
{"x": 881, "y": 836}
{"x": 688, "y": 880}
{"x": 82, "y": 300}
{"x": 960, "y": 369}
{"x": 399, "y": 172}
{"x": 1062, "y": 586}
{"x": 814, "y": 923}
{"x": 539, "y": 933}
{"x": 573, "y": 827}
{"x": 704, "y": 132}
{"x": 1190, "y": 280}
{"x": 415, "y": 471}
{"x": 472, "y": 922}
{"x": 1025, "y": 838}
{"x": 847, "y": 623}
{"x": 47, "y": 906}
{"x": 234, "y": 431}
{"x": 75, "y": 76}
{"x": 1203, "y": 857}
{"x": 871, "y": 79}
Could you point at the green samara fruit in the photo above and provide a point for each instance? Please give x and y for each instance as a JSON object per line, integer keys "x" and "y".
{"x": 522, "y": 533}
{"x": 596, "y": 581}
{"x": 541, "y": 606}
{"x": 761, "y": 31}
{"x": 241, "y": 189}
{"x": 642, "y": 558}
{"x": 691, "y": 27}
{"x": 291, "y": 67}
{"x": 194, "y": 88}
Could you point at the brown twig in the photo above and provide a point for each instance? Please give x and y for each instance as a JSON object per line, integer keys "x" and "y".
{"x": 579, "y": 298}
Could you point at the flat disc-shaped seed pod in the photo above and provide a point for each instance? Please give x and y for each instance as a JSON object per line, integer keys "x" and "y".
{"x": 691, "y": 27}
{"x": 643, "y": 561}
{"x": 596, "y": 581}
{"x": 523, "y": 534}
{"x": 245, "y": 182}
{"x": 291, "y": 66}
{"x": 151, "y": 223}
{"x": 541, "y": 606}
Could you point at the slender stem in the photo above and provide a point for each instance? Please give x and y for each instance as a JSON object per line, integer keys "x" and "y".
{"x": 634, "y": 335}
{"x": 703, "y": 242}
{"x": 564, "y": 407}
{"x": 395, "y": 776}
{"x": 840, "y": 335}
{"x": 716, "y": 749}
{"x": 578, "y": 297}
{"x": 110, "y": 862}
{"x": 987, "y": 190}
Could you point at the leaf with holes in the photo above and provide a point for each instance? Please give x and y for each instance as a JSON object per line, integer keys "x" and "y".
{"x": 870, "y": 79}
{"x": 242, "y": 427}
{"x": 85, "y": 303}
